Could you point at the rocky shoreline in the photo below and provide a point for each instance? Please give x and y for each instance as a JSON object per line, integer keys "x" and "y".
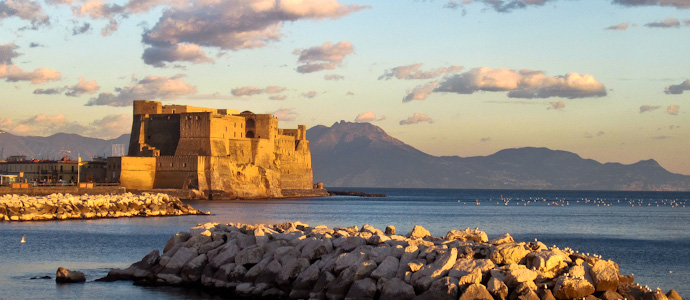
{"x": 296, "y": 261}
{"x": 65, "y": 206}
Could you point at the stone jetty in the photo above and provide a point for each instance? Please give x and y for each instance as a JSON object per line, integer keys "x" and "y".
{"x": 62, "y": 207}
{"x": 296, "y": 261}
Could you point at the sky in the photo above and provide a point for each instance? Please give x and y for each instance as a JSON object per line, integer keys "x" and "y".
{"x": 608, "y": 80}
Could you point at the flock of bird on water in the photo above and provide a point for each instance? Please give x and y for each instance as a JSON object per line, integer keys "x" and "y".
{"x": 599, "y": 202}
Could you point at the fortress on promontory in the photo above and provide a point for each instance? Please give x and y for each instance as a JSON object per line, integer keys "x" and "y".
{"x": 221, "y": 153}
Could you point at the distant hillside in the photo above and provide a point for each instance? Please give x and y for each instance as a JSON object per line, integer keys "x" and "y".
{"x": 363, "y": 155}
{"x": 54, "y": 146}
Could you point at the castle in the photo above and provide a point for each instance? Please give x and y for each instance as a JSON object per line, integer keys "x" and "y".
{"x": 221, "y": 153}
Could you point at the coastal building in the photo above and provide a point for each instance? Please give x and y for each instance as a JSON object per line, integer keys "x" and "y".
{"x": 220, "y": 152}
{"x": 40, "y": 171}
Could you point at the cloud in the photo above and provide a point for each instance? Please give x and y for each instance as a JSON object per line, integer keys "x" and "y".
{"x": 324, "y": 57}
{"x": 501, "y": 5}
{"x": 110, "y": 28}
{"x": 50, "y": 91}
{"x": 485, "y": 139}
{"x": 621, "y": 26}
{"x": 278, "y": 97}
{"x": 668, "y": 23}
{"x": 556, "y": 105}
{"x": 34, "y": 45}
{"x": 252, "y": 90}
{"x": 12, "y": 73}
{"x": 676, "y": 89}
{"x": 83, "y": 87}
{"x": 673, "y": 109}
{"x": 285, "y": 114}
{"x": 661, "y": 137}
{"x": 26, "y": 10}
{"x": 416, "y": 118}
{"x": 333, "y": 77}
{"x": 7, "y": 53}
{"x": 591, "y": 136}
{"x": 84, "y": 28}
{"x": 674, "y": 3}
{"x": 349, "y": 94}
{"x": 522, "y": 84}
{"x": 413, "y": 72}
{"x": 236, "y": 24}
{"x": 368, "y": 117}
{"x": 420, "y": 92}
{"x": 310, "y": 94}
{"x": 151, "y": 87}
{"x": 158, "y": 56}
{"x": 646, "y": 108}
{"x": 110, "y": 126}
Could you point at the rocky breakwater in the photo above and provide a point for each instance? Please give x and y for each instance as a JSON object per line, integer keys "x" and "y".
{"x": 295, "y": 261}
{"x": 61, "y": 207}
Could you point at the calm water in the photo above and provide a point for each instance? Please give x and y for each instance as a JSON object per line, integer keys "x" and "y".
{"x": 647, "y": 233}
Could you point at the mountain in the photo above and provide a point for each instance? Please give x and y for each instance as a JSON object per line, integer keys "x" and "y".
{"x": 58, "y": 145}
{"x": 363, "y": 155}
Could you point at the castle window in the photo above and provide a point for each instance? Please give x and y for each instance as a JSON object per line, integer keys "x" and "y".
{"x": 173, "y": 112}
{"x": 172, "y": 165}
{"x": 184, "y": 165}
{"x": 234, "y": 134}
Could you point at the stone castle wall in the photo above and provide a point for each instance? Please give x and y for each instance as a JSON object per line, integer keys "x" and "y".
{"x": 244, "y": 155}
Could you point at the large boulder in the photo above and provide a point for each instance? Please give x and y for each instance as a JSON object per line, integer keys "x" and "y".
{"x": 363, "y": 289}
{"x": 396, "y": 289}
{"x": 497, "y": 288}
{"x": 423, "y": 278}
{"x": 476, "y": 292}
{"x": 605, "y": 275}
{"x": 66, "y": 276}
{"x": 509, "y": 253}
{"x": 467, "y": 235}
{"x": 572, "y": 287}
{"x": 418, "y": 232}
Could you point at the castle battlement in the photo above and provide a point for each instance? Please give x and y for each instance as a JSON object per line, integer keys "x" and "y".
{"x": 179, "y": 146}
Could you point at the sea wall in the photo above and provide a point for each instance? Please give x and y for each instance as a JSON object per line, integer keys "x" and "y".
{"x": 66, "y": 206}
{"x": 74, "y": 190}
{"x": 296, "y": 261}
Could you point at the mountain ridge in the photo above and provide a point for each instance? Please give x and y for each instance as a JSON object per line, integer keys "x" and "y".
{"x": 362, "y": 155}
{"x": 350, "y": 154}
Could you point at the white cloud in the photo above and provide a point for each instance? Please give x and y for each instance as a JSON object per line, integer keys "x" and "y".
{"x": 668, "y": 23}
{"x": 278, "y": 97}
{"x": 673, "y": 109}
{"x": 83, "y": 87}
{"x": 646, "y": 108}
{"x": 310, "y": 94}
{"x": 368, "y": 117}
{"x": 523, "y": 84}
{"x": 12, "y": 73}
{"x": 556, "y": 105}
{"x": 676, "y": 89}
{"x": 237, "y": 24}
{"x": 151, "y": 87}
{"x": 413, "y": 72}
{"x": 621, "y": 26}
{"x": 674, "y": 3}
{"x": 485, "y": 139}
{"x": 26, "y": 10}
{"x": 335, "y": 77}
{"x": 285, "y": 114}
{"x": 416, "y": 119}
{"x": 158, "y": 56}
{"x": 7, "y": 53}
{"x": 110, "y": 126}
{"x": 421, "y": 92}
{"x": 591, "y": 136}
{"x": 325, "y": 57}
{"x": 252, "y": 90}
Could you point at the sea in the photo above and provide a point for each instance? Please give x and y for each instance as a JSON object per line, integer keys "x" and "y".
{"x": 646, "y": 233}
